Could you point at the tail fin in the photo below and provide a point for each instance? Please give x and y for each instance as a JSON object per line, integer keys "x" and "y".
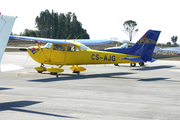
{"x": 6, "y": 24}
{"x": 144, "y": 47}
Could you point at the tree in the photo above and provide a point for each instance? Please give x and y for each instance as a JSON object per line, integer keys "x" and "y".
{"x": 67, "y": 23}
{"x": 129, "y": 28}
{"x": 54, "y": 24}
{"x": 32, "y": 33}
{"x": 168, "y": 43}
{"x": 28, "y": 32}
{"x": 43, "y": 23}
{"x": 174, "y": 39}
{"x": 60, "y": 26}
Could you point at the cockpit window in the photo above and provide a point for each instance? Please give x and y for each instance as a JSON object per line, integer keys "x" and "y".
{"x": 72, "y": 49}
{"x": 59, "y": 47}
{"x": 48, "y": 45}
{"x": 82, "y": 47}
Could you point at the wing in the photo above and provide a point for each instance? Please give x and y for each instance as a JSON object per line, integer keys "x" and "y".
{"x": 83, "y": 41}
{"x": 172, "y": 48}
{"x": 40, "y": 39}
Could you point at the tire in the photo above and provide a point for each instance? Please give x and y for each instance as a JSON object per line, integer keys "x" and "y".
{"x": 116, "y": 65}
{"x": 53, "y": 73}
{"x": 76, "y": 72}
{"x": 141, "y": 63}
{"x": 133, "y": 64}
{"x": 39, "y": 71}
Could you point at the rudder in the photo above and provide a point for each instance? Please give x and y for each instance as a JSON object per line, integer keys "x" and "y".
{"x": 145, "y": 46}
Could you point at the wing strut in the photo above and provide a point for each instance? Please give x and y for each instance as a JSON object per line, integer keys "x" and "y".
{"x": 42, "y": 51}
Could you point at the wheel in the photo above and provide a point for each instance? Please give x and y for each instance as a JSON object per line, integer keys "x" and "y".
{"x": 133, "y": 64}
{"x": 39, "y": 71}
{"x": 76, "y": 72}
{"x": 116, "y": 65}
{"x": 141, "y": 64}
{"x": 53, "y": 73}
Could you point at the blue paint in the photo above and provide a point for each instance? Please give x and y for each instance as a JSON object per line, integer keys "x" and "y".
{"x": 143, "y": 48}
{"x": 105, "y": 58}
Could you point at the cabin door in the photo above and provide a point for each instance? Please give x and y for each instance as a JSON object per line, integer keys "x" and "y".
{"x": 58, "y": 54}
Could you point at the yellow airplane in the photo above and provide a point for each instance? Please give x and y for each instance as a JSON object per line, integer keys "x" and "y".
{"x": 75, "y": 53}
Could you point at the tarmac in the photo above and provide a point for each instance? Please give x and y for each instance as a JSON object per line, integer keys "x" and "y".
{"x": 102, "y": 92}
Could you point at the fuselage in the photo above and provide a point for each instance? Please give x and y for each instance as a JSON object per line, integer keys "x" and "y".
{"x": 158, "y": 53}
{"x": 76, "y": 54}
{"x": 166, "y": 52}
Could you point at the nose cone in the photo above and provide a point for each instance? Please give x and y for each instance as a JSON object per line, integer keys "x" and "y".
{"x": 34, "y": 53}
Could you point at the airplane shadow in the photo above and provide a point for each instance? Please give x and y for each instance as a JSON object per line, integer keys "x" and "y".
{"x": 157, "y": 79}
{"x": 12, "y": 106}
{"x": 64, "y": 77}
{"x": 2, "y": 88}
{"x": 152, "y": 79}
{"x": 153, "y": 68}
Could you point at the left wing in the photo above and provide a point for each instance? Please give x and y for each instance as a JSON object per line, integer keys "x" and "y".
{"x": 83, "y": 41}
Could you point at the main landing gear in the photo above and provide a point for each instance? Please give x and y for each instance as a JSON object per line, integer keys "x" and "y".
{"x": 56, "y": 70}
{"x": 77, "y": 69}
{"x": 52, "y": 70}
{"x": 134, "y": 64}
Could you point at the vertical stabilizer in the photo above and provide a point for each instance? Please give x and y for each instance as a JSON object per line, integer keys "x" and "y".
{"x": 146, "y": 44}
{"x": 6, "y": 24}
{"x": 144, "y": 47}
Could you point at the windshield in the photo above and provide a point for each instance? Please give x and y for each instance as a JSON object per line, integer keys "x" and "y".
{"x": 82, "y": 47}
{"x": 48, "y": 45}
{"x": 124, "y": 45}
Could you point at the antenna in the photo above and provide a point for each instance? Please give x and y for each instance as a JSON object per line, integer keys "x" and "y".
{"x": 76, "y": 38}
{"x": 68, "y": 37}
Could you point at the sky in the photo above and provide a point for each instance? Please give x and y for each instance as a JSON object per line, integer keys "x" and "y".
{"x": 103, "y": 19}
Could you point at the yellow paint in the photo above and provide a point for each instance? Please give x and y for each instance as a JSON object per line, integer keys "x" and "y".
{"x": 55, "y": 69}
{"x": 40, "y": 68}
{"x": 77, "y": 68}
{"x": 146, "y": 41}
{"x": 42, "y": 52}
{"x": 76, "y": 54}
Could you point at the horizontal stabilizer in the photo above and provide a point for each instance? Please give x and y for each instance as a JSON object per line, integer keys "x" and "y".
{"x": 153, "y": 60}
{"x": 134, "y": 59}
